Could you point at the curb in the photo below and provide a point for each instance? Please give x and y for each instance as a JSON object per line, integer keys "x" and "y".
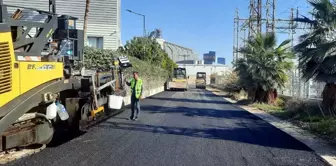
{"x": 321, "y": 147}
{"x": 148, "y": 93}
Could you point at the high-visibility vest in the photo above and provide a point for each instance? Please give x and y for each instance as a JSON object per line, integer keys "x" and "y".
{"x": 138, "y": 87}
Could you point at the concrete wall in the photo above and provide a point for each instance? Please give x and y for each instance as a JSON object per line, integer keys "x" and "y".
{"x": 147, "y": 93}
{"x": 192, "y": 69}
{"x": 104, "y": 16}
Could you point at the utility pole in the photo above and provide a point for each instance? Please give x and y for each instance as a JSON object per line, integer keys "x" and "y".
{"x": 235, "y": 36}
{"x": 254, "y": 20}
{"x": 144, "y": 21}
{"x": 270, "y": 16}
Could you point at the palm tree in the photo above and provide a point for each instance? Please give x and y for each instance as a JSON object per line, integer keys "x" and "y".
{"x": 316, "y": 50}
{"x": 86, "y": 18}
{"x": 264, "y": 67}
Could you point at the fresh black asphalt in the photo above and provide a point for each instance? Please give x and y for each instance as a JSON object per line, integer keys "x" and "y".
{"x": 180, "y": 128}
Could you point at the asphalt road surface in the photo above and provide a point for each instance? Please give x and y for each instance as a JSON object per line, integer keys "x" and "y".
{"x": 180, "y": 128}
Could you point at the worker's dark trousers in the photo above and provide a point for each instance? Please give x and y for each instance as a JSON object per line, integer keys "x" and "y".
{"x": 135, "y": 107}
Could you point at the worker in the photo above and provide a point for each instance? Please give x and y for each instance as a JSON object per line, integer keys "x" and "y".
{"x": 137, "y": 91}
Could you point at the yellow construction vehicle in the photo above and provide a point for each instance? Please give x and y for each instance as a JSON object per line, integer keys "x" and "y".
{"x": 178, "y": 81}
{"x": 200, "y": 80}
{"x": 41, "y": 92}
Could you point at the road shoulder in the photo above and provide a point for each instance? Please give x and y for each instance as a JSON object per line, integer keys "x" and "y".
{"x": 321, "y": 147}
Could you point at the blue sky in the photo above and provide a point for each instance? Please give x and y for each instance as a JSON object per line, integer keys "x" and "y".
{"x": 196, "y": 24}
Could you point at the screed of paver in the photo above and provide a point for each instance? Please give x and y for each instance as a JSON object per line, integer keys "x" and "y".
{"x": 6, "y": 157}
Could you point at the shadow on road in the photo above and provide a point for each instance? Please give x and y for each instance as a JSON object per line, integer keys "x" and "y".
{"x": 199, "y": 112}
{"x": 245, "y": 128}
{"x": 256, "y": 135}
{"x": 64, "y": 137}
{"x": 61, "y": 137}
{"x": 221, "y": 101}
{"x": 214, "y": 95}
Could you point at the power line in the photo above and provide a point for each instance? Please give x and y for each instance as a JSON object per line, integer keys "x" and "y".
{"x": 257, "y": 22}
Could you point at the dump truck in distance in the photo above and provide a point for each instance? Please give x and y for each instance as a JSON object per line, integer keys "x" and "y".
{"x": 179, "y": 80}
{"x": 200, "y": 80}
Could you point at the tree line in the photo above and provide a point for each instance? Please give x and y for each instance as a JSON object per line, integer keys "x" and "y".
{"x": 144, "y": 52}
{"x": 148, "y": 49}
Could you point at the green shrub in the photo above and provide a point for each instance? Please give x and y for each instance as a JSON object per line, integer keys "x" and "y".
{"x": 238, "y": 95}
{"x": 229, "y": 83}
{"x": 295, "y": 105}
{"x": 267, "y": 107}
{"x": 152, "y": 75}
{"x": 303, "y": 113}
{"x": 280, "y": 102}
{"x": 324, "y": 127}
{"x": 148, "y": 50}
{"x": 99, "y": 58}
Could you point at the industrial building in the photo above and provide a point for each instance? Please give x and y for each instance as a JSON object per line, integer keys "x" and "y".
{"x": 209, "y": 58}
{"x": 209, "y": 69}
{"x": 221, "y": 60}
{"x": 177, "y": 53}
{"x": 103, "y": 21}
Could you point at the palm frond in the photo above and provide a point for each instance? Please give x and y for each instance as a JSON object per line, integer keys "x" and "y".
{"x": 265, "y": 64}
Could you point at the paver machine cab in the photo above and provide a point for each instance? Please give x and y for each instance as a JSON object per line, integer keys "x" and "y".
{"x": 200, "y": 80}
{"x": 41, "y": 91}
{"x": 178, "y": 80}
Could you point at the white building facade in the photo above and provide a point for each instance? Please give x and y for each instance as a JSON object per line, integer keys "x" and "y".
{"x": 192, "y": 69}
{"x": 103, "y": 30}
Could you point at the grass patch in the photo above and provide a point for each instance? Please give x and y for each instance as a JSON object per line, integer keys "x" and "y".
{"x": 302, "y": 113}
{"x": 324, "y": 127}
{"x": 267, "y": 107}
{"x": 304, "y": 116}
{"x": 277, "y": 111}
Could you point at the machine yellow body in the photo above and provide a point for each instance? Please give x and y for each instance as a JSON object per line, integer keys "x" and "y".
{"x": 39, "y": 70}
{"x": 179, "y": 80}
{"x": 18, "y": 77}
{"x": 9, "y": 75}
{"x": 96, "y": 112}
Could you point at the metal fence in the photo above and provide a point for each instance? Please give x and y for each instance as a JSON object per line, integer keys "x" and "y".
{"x": 298, "y": 87}
{"x": 295, "y": 87}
